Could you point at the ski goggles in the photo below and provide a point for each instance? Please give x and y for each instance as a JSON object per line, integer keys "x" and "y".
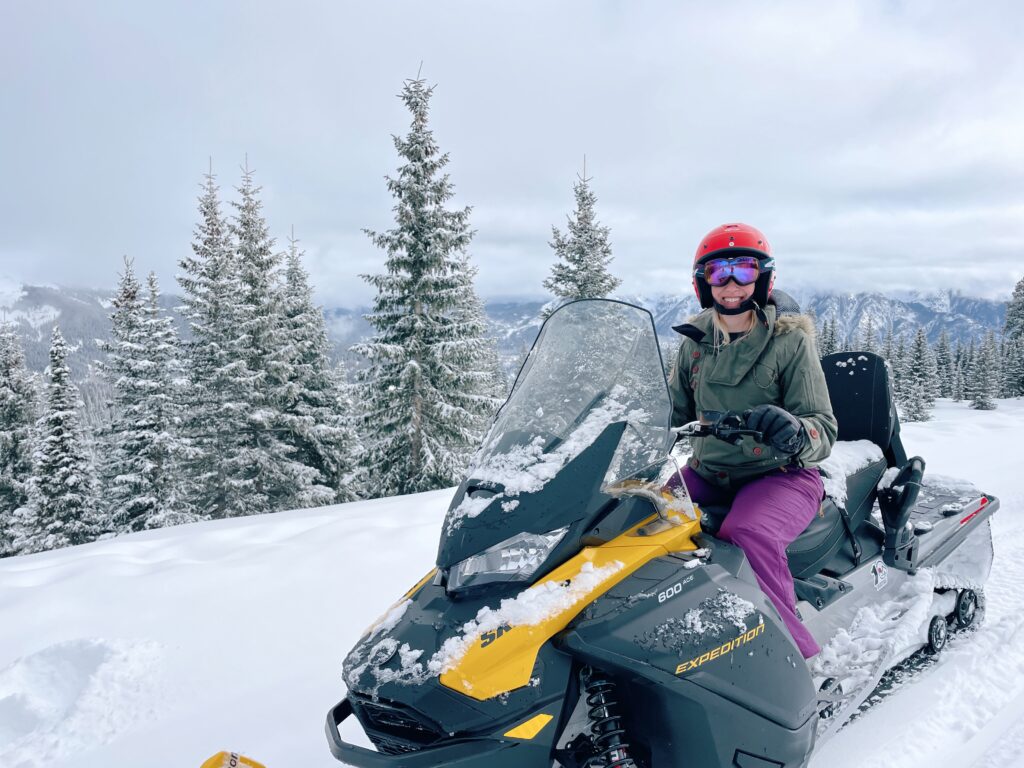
{"x": 743, "y": 269}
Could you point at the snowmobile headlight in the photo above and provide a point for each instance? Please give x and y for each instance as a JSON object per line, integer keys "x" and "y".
{"x": 515, "y": 559}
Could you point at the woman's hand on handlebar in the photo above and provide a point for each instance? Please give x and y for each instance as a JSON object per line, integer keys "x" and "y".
{"x": 782, "y": 430}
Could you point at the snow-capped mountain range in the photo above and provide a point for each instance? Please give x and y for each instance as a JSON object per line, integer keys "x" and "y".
{"x": 83, "y": 315}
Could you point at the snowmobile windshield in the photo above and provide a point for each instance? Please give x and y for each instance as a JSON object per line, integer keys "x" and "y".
{"x": 595, "y": 363}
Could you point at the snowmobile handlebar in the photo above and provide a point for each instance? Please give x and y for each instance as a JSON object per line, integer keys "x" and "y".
{"x": 724, "y": 425}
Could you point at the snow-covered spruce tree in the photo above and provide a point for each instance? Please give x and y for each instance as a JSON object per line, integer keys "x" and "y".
{"x": 1013, "y": 372}
{"x": 491, "y": 385}
{"x": 315, "y": 414}
{"x": 983, "y": 385}
{"x": 63, "y": 487}
{"x": 868, "y": 339}
{"x": 426, "y": 395}
{"x": 1014, "y": 327}
{"x": 898, "y": 370}
{"x": 968, "y": 361}
{"x": 142, "y": 466}
{"x": 351, "y": 407}
{"x": 957, "y": 381}
{"x": 944, "y": 365}
{"x": 583, "y": 253}
{"x": 120, "y": 462}
{"x": 269, "y": 474}
{"x": 918, "y": 382}
{"x": 829, "y": 343}
{"x": 164, "y": 414}
{"x": 18, "y": 415}
{"x": 216, "y": 395}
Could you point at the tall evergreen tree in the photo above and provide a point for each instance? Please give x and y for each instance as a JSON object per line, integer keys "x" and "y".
{"x": 583, "y": 253}
{"x": 888, "y": 351}
{"x": 829, "y": 343}
{"x": 918, "y": 380}
{"x": 126, "y": 494}
{"x": 315, "y": 414}
{"x": 868, "y": 339}
{"x": 944, "y": 365}
{"x": 968, "y": 362}
{"x": 982, "y": 373}
{"x": 1014, "y": 327}
{"x": 163, "y": 415}
{"x": 1014, "y": 370}
{"x": 64, "y": 485}
{"x": 18, "y": 415}
{"x": 959, "y": 380}
{"x": 216, "y": 400}
{"x": 425, "y": 392}
{"x": 268, "y": 474}
{"x": 898, "y": 366}
{"x": 142, "y": 461}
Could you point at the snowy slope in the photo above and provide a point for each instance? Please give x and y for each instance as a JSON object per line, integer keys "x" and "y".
{"x": 161, "y": 648}
{"x": 967, "y": 710}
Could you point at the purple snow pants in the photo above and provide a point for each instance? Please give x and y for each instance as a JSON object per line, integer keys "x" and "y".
{"x": 766, "y": 516}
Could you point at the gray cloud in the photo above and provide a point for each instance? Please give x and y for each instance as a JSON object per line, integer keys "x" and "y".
{"x": 879, "y": 144}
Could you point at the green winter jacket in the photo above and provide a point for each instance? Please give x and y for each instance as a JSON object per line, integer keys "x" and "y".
{"x": 777, "y": 362}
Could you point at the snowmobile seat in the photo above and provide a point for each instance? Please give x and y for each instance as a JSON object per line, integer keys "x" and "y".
{"x": 834, "y": 528}
{"x": 861, "y": 395}
{"x": 858, "y": 386}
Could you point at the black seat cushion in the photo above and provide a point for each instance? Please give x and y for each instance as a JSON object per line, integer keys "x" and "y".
{"x": 816, "y": 546}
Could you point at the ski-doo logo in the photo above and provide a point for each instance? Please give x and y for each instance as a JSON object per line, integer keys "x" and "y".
{"x": 721, "y": 650}
{"x": 880, "y": 574}
{"x": 489, "y": 637}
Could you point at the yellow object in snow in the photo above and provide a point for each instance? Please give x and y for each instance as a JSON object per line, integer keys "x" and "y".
{"x": 231, "y": 760}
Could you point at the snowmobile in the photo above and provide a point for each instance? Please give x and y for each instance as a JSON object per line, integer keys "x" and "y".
{"x": 580, "y": 615}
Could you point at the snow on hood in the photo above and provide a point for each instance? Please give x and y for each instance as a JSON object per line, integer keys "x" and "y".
{"x": 529, "y": 608}
{"x": 720, "y": 615}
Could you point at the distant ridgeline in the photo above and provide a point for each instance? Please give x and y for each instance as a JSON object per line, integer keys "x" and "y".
{"x": 83, "y": 317}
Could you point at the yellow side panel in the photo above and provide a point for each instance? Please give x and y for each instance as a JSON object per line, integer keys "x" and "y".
{"x": 507, "y": 662}
{"x": 530, "y": 728}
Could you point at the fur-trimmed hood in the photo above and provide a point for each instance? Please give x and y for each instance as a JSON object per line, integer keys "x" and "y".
{"x": 699, "y": 325}
{"x": 789, "y": 322}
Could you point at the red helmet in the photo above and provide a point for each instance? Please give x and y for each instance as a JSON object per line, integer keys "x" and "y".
{"x": 736, "y": 239}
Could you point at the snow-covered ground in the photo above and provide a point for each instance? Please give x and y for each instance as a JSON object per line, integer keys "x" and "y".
{"x": 164, "y": 647}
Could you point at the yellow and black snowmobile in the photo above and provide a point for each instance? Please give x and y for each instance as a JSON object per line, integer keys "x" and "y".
{"x": 578, "y": 615}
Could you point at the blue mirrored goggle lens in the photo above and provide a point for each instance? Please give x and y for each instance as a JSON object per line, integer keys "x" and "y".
{"x": 743, "y": 269}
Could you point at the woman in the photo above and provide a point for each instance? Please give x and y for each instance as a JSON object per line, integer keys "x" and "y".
{"x": 740, "y": 355}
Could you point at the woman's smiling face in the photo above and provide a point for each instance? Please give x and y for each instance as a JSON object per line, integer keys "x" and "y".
{"x": 731, "y": 294}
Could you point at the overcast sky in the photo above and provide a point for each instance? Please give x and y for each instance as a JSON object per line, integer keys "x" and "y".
{"x": 879, "y": 145}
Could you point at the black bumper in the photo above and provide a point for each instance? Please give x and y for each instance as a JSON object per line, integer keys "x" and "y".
{"x": 467, "y": 753}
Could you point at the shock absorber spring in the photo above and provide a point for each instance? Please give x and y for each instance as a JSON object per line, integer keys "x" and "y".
{"x": 606, "y": 726}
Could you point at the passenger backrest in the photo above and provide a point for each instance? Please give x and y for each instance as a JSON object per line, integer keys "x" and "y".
{"x": 858, "y": 386}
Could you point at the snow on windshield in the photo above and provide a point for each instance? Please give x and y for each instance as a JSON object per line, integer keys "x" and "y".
{"x": 527, "y": 468}
{"x": 595, "y": 363}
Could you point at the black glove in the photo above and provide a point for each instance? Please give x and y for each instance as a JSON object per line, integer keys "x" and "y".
{"x": 781, "y": 429}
